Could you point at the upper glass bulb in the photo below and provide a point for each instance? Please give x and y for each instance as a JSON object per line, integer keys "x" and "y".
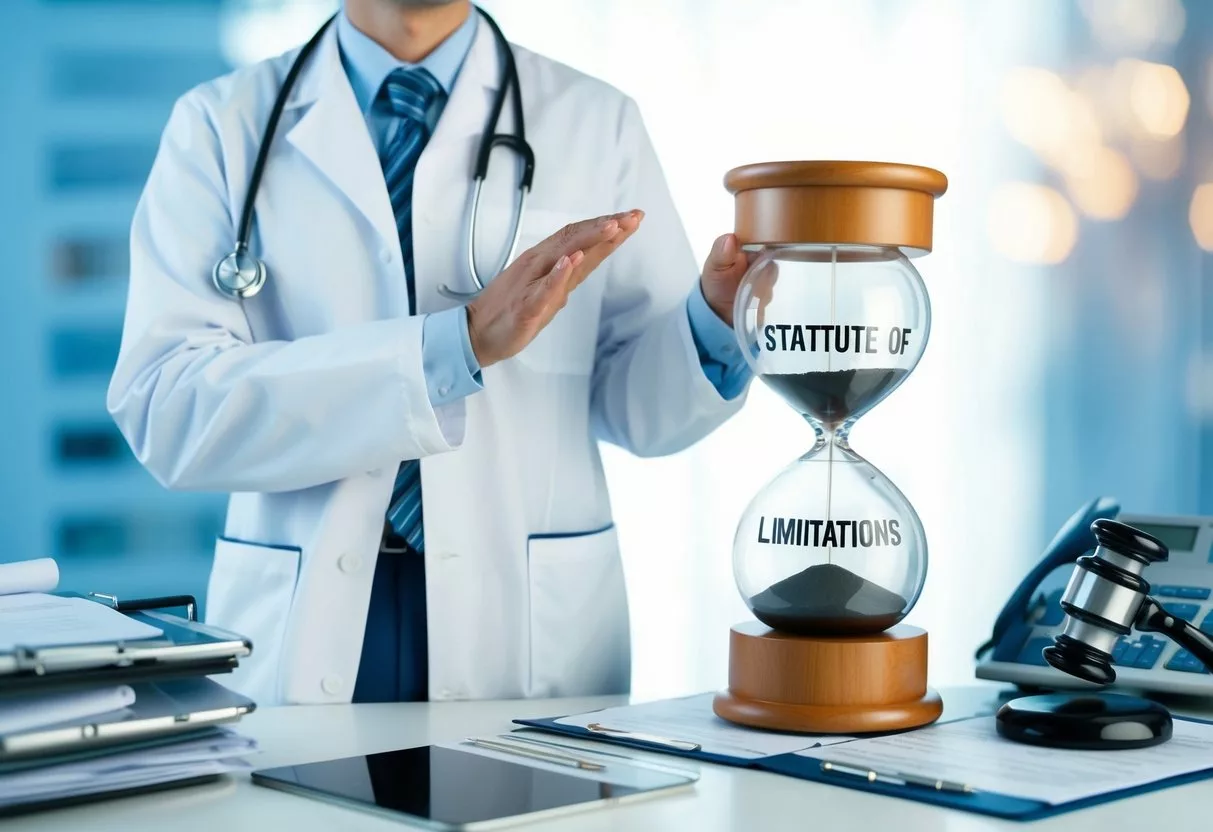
{"x": 832, "y": 328}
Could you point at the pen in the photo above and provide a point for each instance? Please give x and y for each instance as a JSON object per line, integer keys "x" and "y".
{"x": 550, "y": 744}
{"x": 681, "y": 745}
{"x": 897, "y": 778}
{"x": 536, "y": 754}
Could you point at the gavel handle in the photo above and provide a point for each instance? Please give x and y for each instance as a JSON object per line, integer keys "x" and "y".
{"x": 1153, "y": 617}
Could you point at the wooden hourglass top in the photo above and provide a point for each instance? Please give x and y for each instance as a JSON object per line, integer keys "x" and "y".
{"x": 836, "y": 203}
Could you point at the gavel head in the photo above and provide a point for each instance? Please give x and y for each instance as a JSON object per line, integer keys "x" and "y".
{"x": 1102, "y": 600}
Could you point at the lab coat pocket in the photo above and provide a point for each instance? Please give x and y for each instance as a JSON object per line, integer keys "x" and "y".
{"x": 580, "y": 639}
{"x": 569, "y": 341}
{"x": 250, "y": 592}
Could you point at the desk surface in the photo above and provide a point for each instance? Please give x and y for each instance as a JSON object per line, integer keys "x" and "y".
{"x": 723, "y": 799}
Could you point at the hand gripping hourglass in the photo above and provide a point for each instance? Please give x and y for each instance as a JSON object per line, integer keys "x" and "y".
{"x": 830, "y": 555}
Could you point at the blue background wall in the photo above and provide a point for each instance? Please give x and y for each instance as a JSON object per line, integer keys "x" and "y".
{"x": 85, "y": 89}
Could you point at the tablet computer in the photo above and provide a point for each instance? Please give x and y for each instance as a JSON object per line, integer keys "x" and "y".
{"x": 460, "y": 788}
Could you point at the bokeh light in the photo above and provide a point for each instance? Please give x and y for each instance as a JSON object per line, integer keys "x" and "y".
{"x": 1135, "y": 25}
{"x": 1044, "y": 114}
{"x": 1031, "y": 223}
{"x": 1102, "y": 184}
{"x": 1158, "y": 97}
{"x": 1158, "y": 159}
{"x": 1200, "y": 215}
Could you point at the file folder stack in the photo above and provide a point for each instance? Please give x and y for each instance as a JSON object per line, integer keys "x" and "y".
{"x": 99, "y": 699}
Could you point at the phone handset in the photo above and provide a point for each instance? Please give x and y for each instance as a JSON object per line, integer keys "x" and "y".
{"x": 1071, "y": 542}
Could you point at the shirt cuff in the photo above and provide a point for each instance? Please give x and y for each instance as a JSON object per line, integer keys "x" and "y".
{"x": 451, "y": 369}
{"x": 719, "y": 355}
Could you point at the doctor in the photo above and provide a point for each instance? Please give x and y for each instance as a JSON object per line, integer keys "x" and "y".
{"x": 418, "y": 505}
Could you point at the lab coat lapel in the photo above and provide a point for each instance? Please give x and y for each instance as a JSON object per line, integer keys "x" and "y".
{"x": 333, "y": 135}
{"x": 467, "y": 110}
{"x": 443, "y": 179}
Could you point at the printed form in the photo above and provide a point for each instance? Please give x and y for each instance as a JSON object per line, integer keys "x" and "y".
{"x": 971, "y": 751}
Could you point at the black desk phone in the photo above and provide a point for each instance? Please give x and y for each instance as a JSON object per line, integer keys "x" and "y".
{"x": 1145, "y": 662}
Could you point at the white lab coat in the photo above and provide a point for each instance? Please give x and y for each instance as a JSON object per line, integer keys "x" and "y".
{"x": 303, "y": 400}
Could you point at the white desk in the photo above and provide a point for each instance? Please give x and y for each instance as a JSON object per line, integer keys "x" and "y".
{"x": 723, "y": 799}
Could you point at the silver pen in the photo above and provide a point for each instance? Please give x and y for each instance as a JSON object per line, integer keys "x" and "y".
{"x": 897, "y": 778}
{"x": 536, "y": 754}
{"x": 681, "y": 745}
{"x": 551, "y": 744}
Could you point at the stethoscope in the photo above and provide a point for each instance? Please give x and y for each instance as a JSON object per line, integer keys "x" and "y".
{"x": 241, "y": 275}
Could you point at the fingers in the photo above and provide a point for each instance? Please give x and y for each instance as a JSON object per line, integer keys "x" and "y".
{"x": 578, "y": 236}
{"x": 726, "y": 256}
{"x": 550, "y": 293}
{"x": 629, "y": 224}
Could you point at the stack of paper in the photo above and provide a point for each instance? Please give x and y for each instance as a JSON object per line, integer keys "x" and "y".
{"x": 34, "y": 619}
{"x": 81, "y": 737}
{"x": 41, "y": 575}
{"x": 42, "y": 710}
{"x": 222, "y": 752}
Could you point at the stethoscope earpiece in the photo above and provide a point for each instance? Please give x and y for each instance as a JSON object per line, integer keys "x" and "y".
{"x": 239, "y": 275}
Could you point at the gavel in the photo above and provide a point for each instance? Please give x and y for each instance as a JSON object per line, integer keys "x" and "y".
{"x": 1107, "y": 597}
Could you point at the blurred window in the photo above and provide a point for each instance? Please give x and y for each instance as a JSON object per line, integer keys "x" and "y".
{"x": 95, "y": 165}
{"x": 137, "y": 533}
{"x": 129, "y": 75}
{"x": 84, "y": 351}
{"x": 89, "y": 444}
{"x": 89, "y": 259}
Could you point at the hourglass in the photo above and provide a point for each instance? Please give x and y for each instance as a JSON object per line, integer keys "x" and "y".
{"x": 830, "y": 556}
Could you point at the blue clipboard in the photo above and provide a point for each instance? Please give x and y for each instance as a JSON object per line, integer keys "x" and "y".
{"x": 809, "y": 768}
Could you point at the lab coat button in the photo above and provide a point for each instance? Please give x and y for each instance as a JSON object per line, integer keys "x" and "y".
{"x": 349, "y": 563}
{"x": 444, "y": 389}
{"x": 331, "y": 684}
{"x": 385, "y": 255}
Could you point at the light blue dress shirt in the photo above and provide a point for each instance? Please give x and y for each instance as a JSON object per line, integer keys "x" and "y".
{"x": 449, "y": 363}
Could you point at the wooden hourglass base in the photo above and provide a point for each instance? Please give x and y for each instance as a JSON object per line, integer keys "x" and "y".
{"x": 828, "y": 685}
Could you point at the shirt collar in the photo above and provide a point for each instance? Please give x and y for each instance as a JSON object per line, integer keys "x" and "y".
{"x": 368, "y": 64}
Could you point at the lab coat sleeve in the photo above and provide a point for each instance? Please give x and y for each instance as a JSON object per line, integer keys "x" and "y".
{"x": 650, "y": 394}
{"x": 206, "y": 407}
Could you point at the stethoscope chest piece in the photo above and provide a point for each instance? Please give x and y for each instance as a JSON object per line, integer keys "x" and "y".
{"x": 239, "y": 275}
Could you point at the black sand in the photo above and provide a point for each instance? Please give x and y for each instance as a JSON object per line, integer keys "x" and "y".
{"x": 827, "y": 599}
{"x": 831, "y": 397}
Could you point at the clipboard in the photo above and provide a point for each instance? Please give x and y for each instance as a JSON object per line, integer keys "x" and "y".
{"x": 989, "y": 803}
{"x": 993, "y": 804}
{"x": 162, "y": 710}
{"x": 187, "y": 648}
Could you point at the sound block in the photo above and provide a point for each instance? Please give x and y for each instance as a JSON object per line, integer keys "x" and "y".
{"x": 828, "y": 684}
{"x": 1090, "y": 722}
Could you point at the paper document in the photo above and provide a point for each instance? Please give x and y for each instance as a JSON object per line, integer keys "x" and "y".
{"x": 37, "y": 620}
{"x": 41, "y": 575}
{"x": 691, "y": 718}
{"x": 39, "y": 710}
{"x": 129, "y": 769}
{"x": 970, "y": 751}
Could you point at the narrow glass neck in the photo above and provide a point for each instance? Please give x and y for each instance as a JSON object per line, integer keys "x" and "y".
{"x": 839, "y": 434}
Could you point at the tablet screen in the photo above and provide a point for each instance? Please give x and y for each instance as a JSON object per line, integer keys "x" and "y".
{"x": 452, "y": 788}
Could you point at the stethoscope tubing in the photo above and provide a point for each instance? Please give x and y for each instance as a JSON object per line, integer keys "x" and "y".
{"x": 238, "y": 282}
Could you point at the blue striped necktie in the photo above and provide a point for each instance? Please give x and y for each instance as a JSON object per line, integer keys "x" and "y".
{"x": 410, "y": 93}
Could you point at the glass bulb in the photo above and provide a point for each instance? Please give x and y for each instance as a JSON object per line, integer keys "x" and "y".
{"x": 831, "y": 546}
